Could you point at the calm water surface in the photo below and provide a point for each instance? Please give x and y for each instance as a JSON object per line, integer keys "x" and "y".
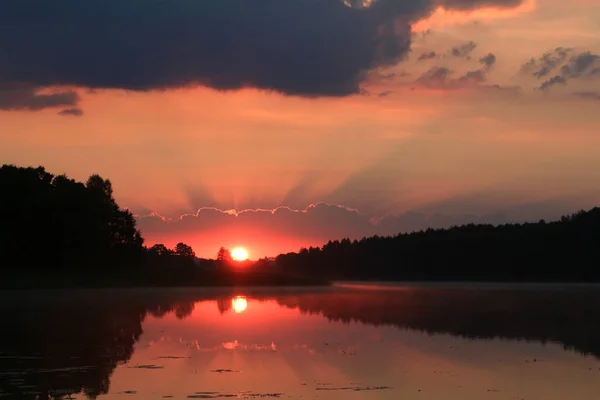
{"x": 351, "y": 342}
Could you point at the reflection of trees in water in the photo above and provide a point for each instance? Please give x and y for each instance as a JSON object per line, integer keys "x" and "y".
{"x": 223, "y": 305}
{"x": 67, "y": 342}
{"x": 70, "y": 342}
{"x": 569, "y": 318}
{"x": 181, "y": 310}
{"x": 54, "y": 347}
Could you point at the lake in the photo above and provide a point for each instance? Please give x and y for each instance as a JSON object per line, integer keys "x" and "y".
{"x": 430, "y": 341}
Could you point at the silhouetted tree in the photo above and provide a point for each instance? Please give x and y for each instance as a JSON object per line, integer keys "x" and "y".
{"x": 183, "y": 250}
{"x": 224, "y": 256}
{"x": 55, "y": 222}
{"x": 159, "y": 256}
{"x": 160, "y": 250}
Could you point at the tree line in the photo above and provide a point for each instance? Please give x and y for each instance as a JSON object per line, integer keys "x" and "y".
{"x": 563, "y": 250}
{"x": 61, "y": 232}
{"x": 54, "y": 225}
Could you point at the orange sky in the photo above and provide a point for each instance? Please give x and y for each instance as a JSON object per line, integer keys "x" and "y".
{"x": 403, "y": 155}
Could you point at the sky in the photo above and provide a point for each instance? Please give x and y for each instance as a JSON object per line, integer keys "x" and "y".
{"x": 281, "y": 124}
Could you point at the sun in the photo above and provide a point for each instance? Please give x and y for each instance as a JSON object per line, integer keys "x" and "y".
{"x": 239, "y": 254}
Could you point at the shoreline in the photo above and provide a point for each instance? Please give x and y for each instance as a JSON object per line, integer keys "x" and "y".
{"x": 304, "y": 285}
{"x": 41, "y": 281}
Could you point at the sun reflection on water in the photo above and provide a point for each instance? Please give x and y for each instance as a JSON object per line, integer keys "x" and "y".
{"x": 239, "y": 304}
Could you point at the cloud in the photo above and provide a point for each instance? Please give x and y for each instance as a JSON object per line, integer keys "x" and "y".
{"x": 427, "y": 56}
{"x": 308, "y": 47}
{"x": 510, "y": 90}
{"x": 309, "y": 222}
{"x": 588, "y": 95}
{"x": 378, "y": 76}
{"x": 26, "y": 97}
{"x": 562, "y": 65}
{"x": 488, "y": 60}
{"x": 464, "y": 50}
{"x": 435, "y": 77}
{"x": 583, "y": 64}
{"x": 73, "y": 112}
{"x": 441, "y": 78}
{"x": 261, "y": 229}
{"x": 548, "y": 62}
{"x": 555, "y": 80}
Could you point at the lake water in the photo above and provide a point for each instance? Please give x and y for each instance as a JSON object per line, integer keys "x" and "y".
{"x": 353, "y": 342}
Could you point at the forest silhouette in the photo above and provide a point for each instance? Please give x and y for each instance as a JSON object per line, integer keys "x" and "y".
{"x": 565, "y": 250}
{"x": 60, "y": 232}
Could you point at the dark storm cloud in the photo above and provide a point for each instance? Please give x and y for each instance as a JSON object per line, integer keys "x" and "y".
{"x": 26, "y": 97}
{"x": 71, "y": 112}
{"x": 308, "y": 47}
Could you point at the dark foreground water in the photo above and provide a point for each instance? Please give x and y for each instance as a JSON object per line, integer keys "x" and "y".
{"x": 367, "y": 342}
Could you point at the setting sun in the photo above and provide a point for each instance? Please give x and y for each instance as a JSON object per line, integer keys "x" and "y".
{"x": 239, "y": 254}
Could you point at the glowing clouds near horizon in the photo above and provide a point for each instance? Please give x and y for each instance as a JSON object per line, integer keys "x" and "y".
{"x": 239, "y": 304}
{"x": 239, "y": 254}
